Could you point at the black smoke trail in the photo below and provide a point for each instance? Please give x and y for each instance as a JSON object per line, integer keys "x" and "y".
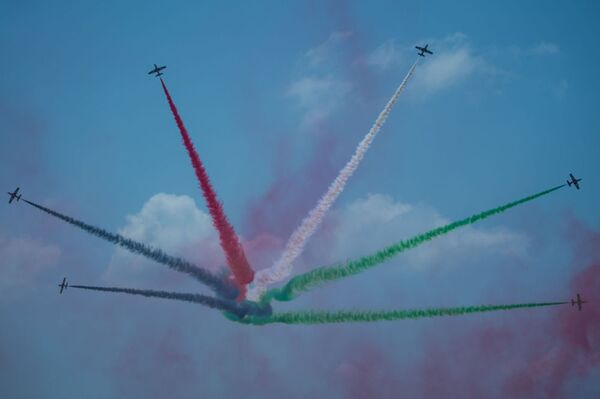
{"x": 220, "y": 285}
{"x": 229, "y": 306}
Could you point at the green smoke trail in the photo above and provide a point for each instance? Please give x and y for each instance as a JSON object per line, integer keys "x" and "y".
{"x": 306, "y": 281}
{"x": 315, "y": 317}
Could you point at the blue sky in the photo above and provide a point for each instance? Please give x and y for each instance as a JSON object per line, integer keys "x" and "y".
{"x": 276, "y": 96}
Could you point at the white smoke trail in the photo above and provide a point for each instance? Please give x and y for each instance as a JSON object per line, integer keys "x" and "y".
{"x": 283, "y": 267}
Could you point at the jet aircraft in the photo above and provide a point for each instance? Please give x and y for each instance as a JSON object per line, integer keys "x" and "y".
{"x": 574, "y": 181}
{"x": 157, "y": 70}
{"x": 423, "y": 50}
{"x": 578, "y": 302}
{"x": 14, "y": 195}
{"x": 63, "y": 286}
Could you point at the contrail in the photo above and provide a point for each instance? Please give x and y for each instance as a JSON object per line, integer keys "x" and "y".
{"x": 218, "y": 284}
{"x": 306, "y": 281}
{"x": 283, "y": 266}
{"x": 230, "y": 243}
{"x": 239, "y": 310}
{"x": 317, "y": 317}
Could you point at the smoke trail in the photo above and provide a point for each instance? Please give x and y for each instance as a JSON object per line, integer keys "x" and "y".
{"x": 239, "y": 310}
{"x": 315, "y": 317}
{"x": 178, "y": 264}
{"x": 283, "y": 267}
{"x": 306, "y": 281}
{"x": 234, "y": 252}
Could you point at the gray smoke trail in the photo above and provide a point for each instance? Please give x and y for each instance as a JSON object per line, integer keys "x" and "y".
{"x": 233, "y": 308}
{"x": 221, "y": 286}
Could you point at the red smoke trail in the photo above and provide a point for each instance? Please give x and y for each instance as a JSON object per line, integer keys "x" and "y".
{"x": 236, "y": 259}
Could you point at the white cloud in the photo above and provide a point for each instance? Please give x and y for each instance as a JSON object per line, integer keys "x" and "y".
{"x": 454, "y": 38}
{"x": 384, "y": 221}
{"x": 542, "y": 48}
{"x": 318, "y": 97}
{"x": 545, "y": 48}
{"x": 175, "y": 224}
{"x": 318, "y": 89}
{"x": 447, "y": 68}
{"x": 375, "y": 210}
{"x": 323, "y": 51}
{"x": 385, "y": 56}
{"x": 454, "y": 61}
{"x": 172, "y": 223}
{"x": 22, "y": 260}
